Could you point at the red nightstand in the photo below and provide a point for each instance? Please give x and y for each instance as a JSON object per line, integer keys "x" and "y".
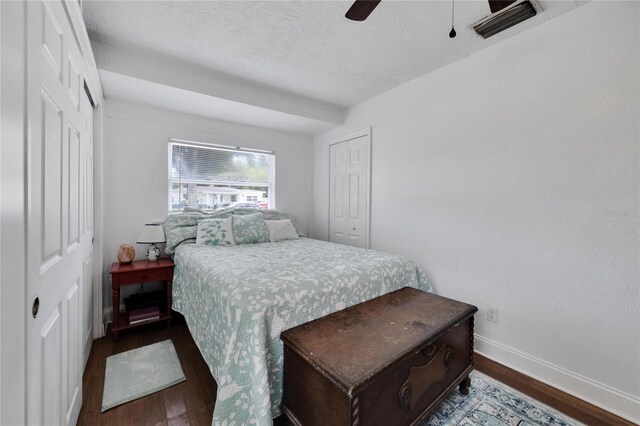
{"x": 138, "y": 272}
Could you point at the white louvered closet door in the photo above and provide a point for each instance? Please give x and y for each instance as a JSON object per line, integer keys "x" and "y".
{"x": 60, "y": 220}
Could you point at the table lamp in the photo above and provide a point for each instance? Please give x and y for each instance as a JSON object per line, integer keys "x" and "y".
{"x": 152, "y": 233}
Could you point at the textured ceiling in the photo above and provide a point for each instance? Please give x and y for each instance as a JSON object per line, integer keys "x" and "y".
{"x": 304, "y": 47}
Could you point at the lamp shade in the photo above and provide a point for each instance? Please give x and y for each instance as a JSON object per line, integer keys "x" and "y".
{"x": 152, "y": 233}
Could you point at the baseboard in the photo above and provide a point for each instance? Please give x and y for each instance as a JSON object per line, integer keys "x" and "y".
{"x": 107, "y": 316}
{"x": 603, "y": 396}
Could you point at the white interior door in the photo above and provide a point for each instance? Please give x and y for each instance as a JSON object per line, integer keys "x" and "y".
{"x": 59, "y": 215}
{"x": 339, "y": 201}
{"x": 349, "y": 192}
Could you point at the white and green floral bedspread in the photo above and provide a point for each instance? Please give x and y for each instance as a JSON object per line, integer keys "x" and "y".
{"x": 237, "y": 300}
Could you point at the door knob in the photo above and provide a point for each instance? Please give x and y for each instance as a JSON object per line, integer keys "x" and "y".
{"x": 354, "y": 229}
{"x": 35, "y": 307}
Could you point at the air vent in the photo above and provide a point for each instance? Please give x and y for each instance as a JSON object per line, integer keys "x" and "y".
{"x": 506, "y": 18}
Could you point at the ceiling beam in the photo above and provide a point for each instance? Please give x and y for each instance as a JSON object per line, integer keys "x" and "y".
{"x": 173, "y": 73}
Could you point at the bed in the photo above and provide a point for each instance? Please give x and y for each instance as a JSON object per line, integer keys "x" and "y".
{"x": 237, "y": 300}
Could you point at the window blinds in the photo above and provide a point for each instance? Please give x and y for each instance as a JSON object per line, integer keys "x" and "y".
{"x": 192, "y": 164}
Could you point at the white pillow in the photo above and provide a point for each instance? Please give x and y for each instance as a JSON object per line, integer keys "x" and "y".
{"x": 215, "y": 232}
{"x": 281, "y": 230}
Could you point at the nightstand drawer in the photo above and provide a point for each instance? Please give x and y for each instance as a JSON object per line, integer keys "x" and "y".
{"x": 133, "y": 277}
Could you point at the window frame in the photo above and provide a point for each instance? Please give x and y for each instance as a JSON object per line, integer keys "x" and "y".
{"x": 271, "y": 183}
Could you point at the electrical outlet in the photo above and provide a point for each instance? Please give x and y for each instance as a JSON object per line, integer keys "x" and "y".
{"x": 492, "y": 314}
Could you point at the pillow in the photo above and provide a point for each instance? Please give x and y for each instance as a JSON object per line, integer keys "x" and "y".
{"x": 182, "y": 228}
{"x": 270, "y": 215}
{"x": 281, "y": 230}
{"x": 179, "y": 229}
{"x": 179, "y": 235}
{"x": 215, "y": 232}
{"x": 216, "y": 213}
{"x": 278, "y": 215}
{"x": 249, "y": 229}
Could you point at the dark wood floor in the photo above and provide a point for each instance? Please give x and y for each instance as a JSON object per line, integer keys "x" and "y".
{"x": 191, "y": 402}
{"x": 561, "y": 401}
{"x": 188, "y": 403}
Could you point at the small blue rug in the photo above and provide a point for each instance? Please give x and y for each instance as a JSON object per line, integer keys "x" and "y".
{"x": 490, "y": 403}
{"x": 140, "y": 372}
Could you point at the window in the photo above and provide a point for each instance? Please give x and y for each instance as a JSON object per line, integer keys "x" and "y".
{"x": 212, "y": 178}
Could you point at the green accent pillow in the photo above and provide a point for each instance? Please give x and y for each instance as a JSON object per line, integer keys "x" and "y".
{"x": 182, "y": 228}
{"x": 249, "y": 229}
{"x": 215, "y": 232}
{"x": 179, "y": 235}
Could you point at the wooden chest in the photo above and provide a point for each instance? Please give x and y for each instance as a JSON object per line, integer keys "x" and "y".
{"x": 388, "y": 361}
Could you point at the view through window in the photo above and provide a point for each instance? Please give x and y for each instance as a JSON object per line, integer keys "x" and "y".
{"x": 210, "y": 178}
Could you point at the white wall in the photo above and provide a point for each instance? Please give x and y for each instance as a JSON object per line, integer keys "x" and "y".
{"x": 512, "y": 178}
{"x": 136, "y": 169}
{"x": 13, "y": 214}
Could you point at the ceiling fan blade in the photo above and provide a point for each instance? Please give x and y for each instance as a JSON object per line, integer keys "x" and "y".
{"x": 497, "y": 5}
{"x": 361, "y": 9}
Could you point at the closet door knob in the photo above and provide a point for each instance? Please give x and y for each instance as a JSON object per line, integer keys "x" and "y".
{"x": 36, "y": 307}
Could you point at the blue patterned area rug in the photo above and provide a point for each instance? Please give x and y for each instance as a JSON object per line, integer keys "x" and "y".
{"x": 490, "y": 403}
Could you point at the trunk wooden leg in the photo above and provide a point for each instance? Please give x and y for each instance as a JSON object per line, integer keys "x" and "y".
{"x": 464, "y": 386}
